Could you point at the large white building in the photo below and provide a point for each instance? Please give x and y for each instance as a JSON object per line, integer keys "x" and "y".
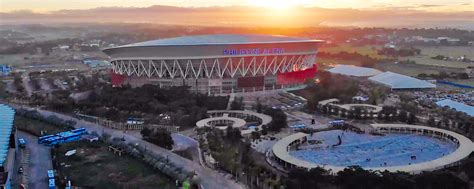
{"x": 216, "y": 63}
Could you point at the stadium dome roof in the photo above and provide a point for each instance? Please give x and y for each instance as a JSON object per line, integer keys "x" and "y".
{"x": 356, "y": 71}
{"x": 220, "y": 39}
{"x": 398, "y": 81}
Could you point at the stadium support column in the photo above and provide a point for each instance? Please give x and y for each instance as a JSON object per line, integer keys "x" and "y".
{"x": 196, "y": 87}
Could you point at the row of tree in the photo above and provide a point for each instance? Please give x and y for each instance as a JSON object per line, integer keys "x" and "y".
{"x": 358, "y": 178}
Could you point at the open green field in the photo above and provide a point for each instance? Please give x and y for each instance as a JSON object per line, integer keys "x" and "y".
{"x": 426, "y": 60}
{"x": 447, "y": 51}
{"x": 370, "y": 50}
{"x": 452, "y": 51}
{"x": 415, "y": 69}
{"x": 94, "y": 166}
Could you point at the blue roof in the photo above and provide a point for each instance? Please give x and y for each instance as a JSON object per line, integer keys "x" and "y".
{"x": 218, "y": 39}
{"x": 469, "y": 110}
{"x": 7, "y": 115}
{"x": 399, "y": 81}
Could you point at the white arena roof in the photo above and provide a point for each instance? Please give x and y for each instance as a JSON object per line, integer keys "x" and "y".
{"x": 469, "y": 110}
{"x": 221, "y": 39}
{"x": 398, "y": 81}
{"x": 356, "y": 71}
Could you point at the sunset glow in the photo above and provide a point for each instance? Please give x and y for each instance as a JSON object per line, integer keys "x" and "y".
{"x": 52, "y": 5}
{"x": 280, "y": 4}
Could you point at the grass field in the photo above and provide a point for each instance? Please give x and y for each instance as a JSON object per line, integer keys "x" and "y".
{"x": 94, "y": 166}
{"x": 427, "y": 52}
{"x": 369, "y": 50}
{"x": 415, "y": 69}
{"x": 447, "y": 51}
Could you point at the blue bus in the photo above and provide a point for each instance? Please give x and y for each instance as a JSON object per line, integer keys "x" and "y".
{"x": 80, "y": 130}
{"x": 51, "y": 184}
{"x": 41, "y": 139}
{"x": 50, "y": 174}
{"x": 62, "y": 137}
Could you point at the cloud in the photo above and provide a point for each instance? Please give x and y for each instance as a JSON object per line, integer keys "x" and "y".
{"x": 252, "y": 16}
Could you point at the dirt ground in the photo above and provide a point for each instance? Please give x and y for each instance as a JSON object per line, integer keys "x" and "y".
{"x": 94, "y": 166}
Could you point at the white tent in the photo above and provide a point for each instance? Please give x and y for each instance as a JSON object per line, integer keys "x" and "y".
{"x": 355, "y": 71}
{"x": 398, "y": 81}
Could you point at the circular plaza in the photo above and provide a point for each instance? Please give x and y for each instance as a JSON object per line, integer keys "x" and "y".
{"x": 391, "y": 147}
{"x": 246, "y": 121}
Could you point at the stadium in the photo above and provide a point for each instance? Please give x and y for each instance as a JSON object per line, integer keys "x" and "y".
{"x": 216, "y": 64}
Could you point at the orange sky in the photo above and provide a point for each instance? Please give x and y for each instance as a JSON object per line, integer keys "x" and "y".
{"x": 51, "y": 5}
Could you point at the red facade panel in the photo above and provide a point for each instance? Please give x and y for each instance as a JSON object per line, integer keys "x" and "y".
{"x": 296, "y": 77}
{"x": 117, "y": 79}
{"x": 244, "y": 82}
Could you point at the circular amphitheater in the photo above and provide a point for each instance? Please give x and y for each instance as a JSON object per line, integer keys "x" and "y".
{"x": 246, "y": 121}
{"x": 391, "y": 147}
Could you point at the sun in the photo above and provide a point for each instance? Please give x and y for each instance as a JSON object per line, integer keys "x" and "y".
{"x": 279, "y": 4}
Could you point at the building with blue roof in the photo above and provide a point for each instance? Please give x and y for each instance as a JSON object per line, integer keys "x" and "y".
{"x": 469, "y": 110}
{"x": 7, "y": 145}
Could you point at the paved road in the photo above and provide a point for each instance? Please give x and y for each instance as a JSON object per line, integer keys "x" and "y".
{"x": 183, "y": 142}
{"x": 209, "y": 179}
{"x": 39, "y": 162}
{"x": 26, "y": 83}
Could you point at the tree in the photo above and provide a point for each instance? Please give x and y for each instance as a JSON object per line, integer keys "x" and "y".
{"x": 233, "y": 134}
{"x": 402, "y": 116}
{"x": 160, "y": 137}
{"x": 255, "y": 135}
{"x": 411, "y": 118}
{"x": 300, "y": 178}
{"x": 237, "y": 104}
{"x": 145, "y": 132}
{"x": 259, "y": 106}
{"x": 264, "y": 130}
{"x": 440, "y": 180}
{"x": 431, "y": 122}
{"x": 278, "y": 119}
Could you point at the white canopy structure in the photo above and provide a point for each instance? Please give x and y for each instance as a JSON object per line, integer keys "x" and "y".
{"x": 355, "y": 71}
{"x": 398, "y": 81}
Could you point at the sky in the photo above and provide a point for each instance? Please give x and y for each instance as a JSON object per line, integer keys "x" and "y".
{"x": 426, "y": 5}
